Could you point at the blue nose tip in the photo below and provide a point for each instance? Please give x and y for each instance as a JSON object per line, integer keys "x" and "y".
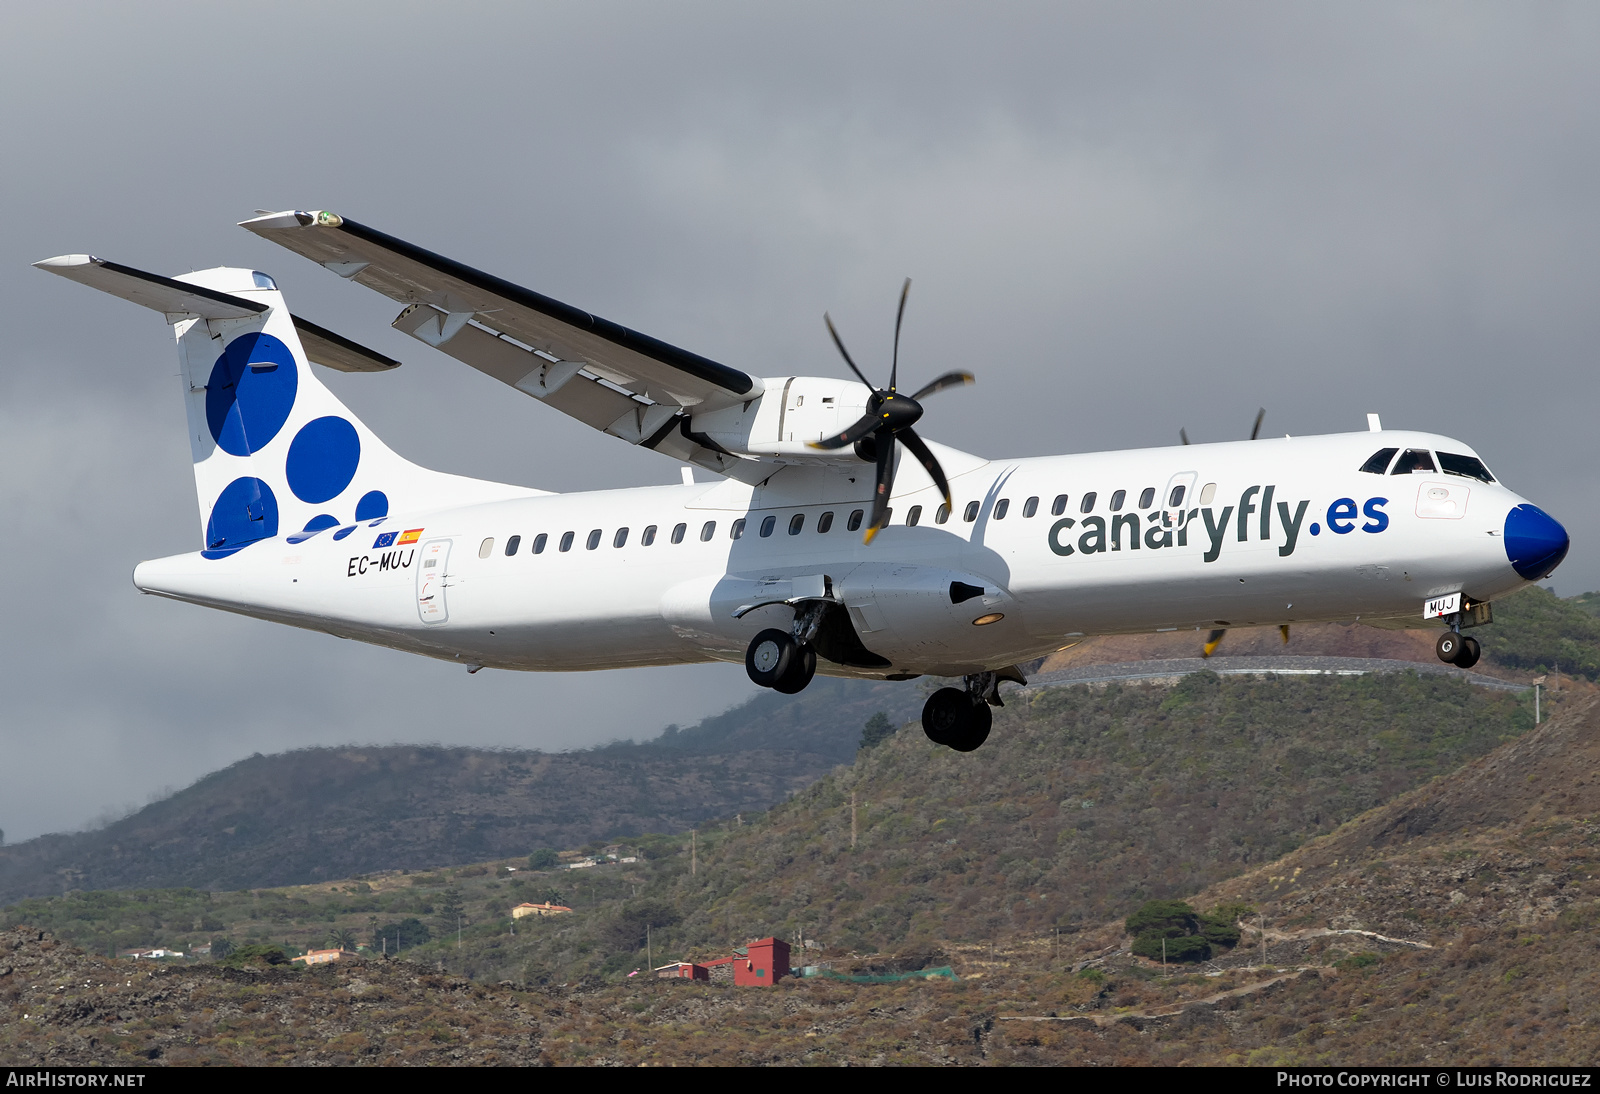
{"x": 1535, "y": 542}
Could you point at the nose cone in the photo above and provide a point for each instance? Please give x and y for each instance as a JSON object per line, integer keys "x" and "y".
{"x": 1535, "y": 542}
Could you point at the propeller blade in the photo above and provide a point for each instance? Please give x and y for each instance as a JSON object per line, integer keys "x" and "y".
{"x": 883, "y": 487}
{"x": 894, "y": 363}
{"x": 909, "y": 438}
{"x": 858, "y": 429}
{"x": 1213, "y": 640}
{"x": 1255, "y": 430}
{"x": 949, "y": 379}
{"x": 844, "y": 352}
{"x": 1183, "y": 435}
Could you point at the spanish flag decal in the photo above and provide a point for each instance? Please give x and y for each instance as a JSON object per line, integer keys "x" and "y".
{"x": 411, "y": 535}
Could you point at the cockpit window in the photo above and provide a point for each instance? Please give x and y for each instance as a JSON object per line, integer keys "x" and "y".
{"x": 1378, "y": 462}
{"x": 1413, "y": 459}
{"x": 262, "y": 281}
{"x": 1470, "y": 466}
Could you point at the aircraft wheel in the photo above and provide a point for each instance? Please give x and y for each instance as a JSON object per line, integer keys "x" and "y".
{"x": 1448, "y": 647}
{"x": 769, "y": 657}
{"x": 955, "y": 719}
{"x": 1470, "y": 652}
{"x": 802, "y": 667}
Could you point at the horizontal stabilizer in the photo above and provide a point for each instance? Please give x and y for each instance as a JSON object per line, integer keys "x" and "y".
{"x": 337, "y": 352}
{"x": 162, "y": 294}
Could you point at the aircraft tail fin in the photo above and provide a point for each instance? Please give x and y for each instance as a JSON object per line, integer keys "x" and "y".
{"x": 275, "y": 451}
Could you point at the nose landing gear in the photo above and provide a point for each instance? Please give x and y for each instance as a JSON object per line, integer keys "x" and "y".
{"x": 1456, "y": 649}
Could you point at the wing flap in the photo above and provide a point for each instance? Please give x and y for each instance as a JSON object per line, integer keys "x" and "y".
{"x": 640, "y": 364}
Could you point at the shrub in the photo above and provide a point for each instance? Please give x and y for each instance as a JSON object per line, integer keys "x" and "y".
{"x": 1189, "y": 947}
{"x": 877, "y": 730}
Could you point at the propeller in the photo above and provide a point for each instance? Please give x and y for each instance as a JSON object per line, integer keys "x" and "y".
{"x": 1255, "y": 430}
{"x": 889, "y": 418}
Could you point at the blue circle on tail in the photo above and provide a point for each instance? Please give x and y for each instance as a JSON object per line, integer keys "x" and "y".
{"x": 323, "y": 458}
{"x": 374, "y": 503}
{"x": 245, "y": 511}
{"x": 250, "y": 393}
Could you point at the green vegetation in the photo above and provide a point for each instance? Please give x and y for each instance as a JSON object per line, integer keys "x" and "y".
{"x": 877, "y": 730}
{"x": 1170, "y": 930}
{"x": 1537, "y": 631}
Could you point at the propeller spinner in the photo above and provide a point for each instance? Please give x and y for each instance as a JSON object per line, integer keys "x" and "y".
{"x": 889, "y": 418}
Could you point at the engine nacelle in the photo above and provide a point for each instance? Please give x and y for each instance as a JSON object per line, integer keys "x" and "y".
{"x": 793, "y": 411}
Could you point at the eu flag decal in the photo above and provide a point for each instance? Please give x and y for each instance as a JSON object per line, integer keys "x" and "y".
{"x": 385, "y": 539}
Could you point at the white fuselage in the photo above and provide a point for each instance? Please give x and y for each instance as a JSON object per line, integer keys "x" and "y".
{"x": 1261, "y": 537}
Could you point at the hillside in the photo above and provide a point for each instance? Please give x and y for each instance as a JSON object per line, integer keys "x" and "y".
{"x": 326, "y": 813}
{"x": 1534, "y": 631}
{"x": 1484, "y": 882}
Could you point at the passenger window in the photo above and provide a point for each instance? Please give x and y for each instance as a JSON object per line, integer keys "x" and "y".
{"x": 972, "y": 512}
{"x": 1470, "y": 466}
{"x": 1177, "y": 496}
{"x": 677, "y": 533}
{"x": 1117, "y": 498}
{"x": 1001, "y": 508}
{"x": 767, "y": 525}
{"x": 512, "y": 544}
{"x": 708, "y": 530}
{"x": 620, "y": 539}
{"x": 1147, "y": 497}
{"x": 913, "y": 516}
{"x": 1207, "y": 492}
{"x": 1413, "y": 459}
{"x": 941, "y": 514}
{"x": 486, "y": 548}
{"x": 737, "y": 531}
{"x": 566, "y": 541}
{"x": 538, "y": 543}
{"x": 594, "y": 539}
{"x": 1030, "y": 507}
{"x": 1087, "y": 504}
{"x": 796, "y": 522}
{"x": 825, "y": 522}
{"x": 1058, "y": 506}
{"x": 854, "y": 523}
{"x": 1378, "y": 462}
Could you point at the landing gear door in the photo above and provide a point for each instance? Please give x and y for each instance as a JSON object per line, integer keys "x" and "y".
{"x": 431, "y": 562}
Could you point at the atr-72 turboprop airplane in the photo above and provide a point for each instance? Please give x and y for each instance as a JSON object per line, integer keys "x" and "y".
{"x": 818, "y": 548}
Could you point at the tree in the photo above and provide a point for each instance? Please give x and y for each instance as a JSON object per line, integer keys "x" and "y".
{"x": 220, "y": 948}
{"x": 543, "y": 859}
{"x": 396, "y": 936}
{"x": 342, "y": 938}
{"x": 553, "y": 895}
{"x": 451, "y": 910}
{"x": 877, "y": 730}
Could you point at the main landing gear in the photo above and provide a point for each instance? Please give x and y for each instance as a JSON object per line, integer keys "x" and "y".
{"x": 960, "y": 718}
{"x": 785, "y": 661}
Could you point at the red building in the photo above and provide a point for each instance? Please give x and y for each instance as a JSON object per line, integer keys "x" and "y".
{"x": 765, "y": 962}
{"x": 683, "y": 970}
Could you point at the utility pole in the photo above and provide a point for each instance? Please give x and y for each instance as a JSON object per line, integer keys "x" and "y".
{"x": 852, "y": 819}
{"x": 694, "y": 853}
{"x": 1538, "y": 682}
{"x": 1163, "y": 951}
{"x": 649, "y": 959}
{"x": 458, "y": 932}
{"x": 1261, "y": 919}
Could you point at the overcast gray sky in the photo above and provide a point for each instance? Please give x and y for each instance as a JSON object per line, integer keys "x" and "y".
{"x": 1124, "y": 218}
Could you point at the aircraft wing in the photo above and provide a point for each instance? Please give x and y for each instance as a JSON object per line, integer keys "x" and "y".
{"x": 609, "y": 377}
